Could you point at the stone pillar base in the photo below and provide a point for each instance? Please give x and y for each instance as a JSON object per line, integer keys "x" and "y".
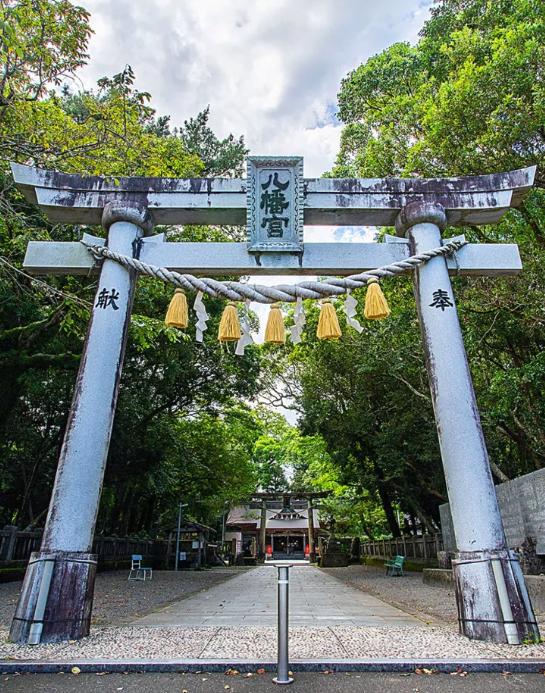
{"x": 481, "y": 579}
{"x": 59, "y": 611}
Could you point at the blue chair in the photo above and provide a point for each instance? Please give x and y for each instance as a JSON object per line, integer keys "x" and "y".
{"x": 137, "y": 572}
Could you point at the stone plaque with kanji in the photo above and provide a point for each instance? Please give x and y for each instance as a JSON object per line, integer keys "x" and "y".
{"x": 275, "y": 204}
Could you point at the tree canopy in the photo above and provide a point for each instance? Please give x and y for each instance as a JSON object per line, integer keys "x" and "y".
{"x": 468, "y": 98}
{"x": 183, "y": 427}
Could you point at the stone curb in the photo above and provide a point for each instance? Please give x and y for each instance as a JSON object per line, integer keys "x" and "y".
{"x": 156, "y": 666}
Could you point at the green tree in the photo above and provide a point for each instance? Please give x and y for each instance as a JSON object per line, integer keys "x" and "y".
{"x": 270, "y": 451}
{"x": 181, "y": 427}
{"x": 268, "y": 458}
{"x": 468, "y": 99}
{"x": 42, "y": 42}
{"x": 220, "y": 157}
{"x": 356, "y": 511}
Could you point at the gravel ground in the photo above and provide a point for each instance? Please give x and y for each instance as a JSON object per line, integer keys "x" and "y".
{"x": 118, "y": 601}
{"x": 250, "y": 643}
{"x": 434, "y": 605}
{"x": 430, "y": 603}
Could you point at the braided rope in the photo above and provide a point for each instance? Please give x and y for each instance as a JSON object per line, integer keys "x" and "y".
{"x": 237, "y": 291}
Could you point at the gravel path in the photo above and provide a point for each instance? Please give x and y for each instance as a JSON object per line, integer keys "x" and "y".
{"x": 118, "y": 601}
{"x": 434, "y": 605}
{"x": 247, "y": 643}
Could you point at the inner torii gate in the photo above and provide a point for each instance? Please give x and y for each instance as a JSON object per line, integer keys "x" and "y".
{"x": 309, "y": 496}
{"x": 56, "y": 600}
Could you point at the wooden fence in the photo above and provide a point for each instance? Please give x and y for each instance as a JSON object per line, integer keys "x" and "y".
{"x": 423, "y": 547}
{"x": 16, "y": 547}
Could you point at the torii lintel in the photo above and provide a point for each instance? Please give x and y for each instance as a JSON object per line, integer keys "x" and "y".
{"x": 72, "y": 198}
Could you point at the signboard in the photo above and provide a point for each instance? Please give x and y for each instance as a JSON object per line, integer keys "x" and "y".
{"x": 195, "y": 545}
{"x": 182, "y": 556}
{"x": 275, "y": 204}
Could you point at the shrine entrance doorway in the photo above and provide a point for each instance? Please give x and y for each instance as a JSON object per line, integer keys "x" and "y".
{"x": 285, "y": 545}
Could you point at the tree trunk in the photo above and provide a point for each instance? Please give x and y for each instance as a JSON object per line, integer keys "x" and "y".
{"x": 389, "y": 511}
{"x": 386, "y": 501}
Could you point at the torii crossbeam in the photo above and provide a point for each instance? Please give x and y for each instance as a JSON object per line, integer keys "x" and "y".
{"x": 275, "y": 201}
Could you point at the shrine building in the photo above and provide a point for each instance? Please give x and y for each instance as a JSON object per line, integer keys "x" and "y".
{"x": 286, "y": 527}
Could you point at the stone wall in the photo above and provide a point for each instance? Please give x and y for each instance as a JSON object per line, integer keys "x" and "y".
{"x": 522, "y": 507}
{"x": 334, "y": 560}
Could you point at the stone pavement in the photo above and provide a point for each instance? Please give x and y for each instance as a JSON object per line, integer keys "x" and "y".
{"x": 236, "y": 623}
{"x": 316, "y": 599}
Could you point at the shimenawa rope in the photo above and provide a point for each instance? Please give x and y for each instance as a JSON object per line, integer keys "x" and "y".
{"x": 237, "y": 291}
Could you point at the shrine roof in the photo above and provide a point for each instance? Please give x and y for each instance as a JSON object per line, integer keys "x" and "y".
{"x": 241, "y": 515}
{"x": 190, "y": 526}
{"x": 291, "y": 524}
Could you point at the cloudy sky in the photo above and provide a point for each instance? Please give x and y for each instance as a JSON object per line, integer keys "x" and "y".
{"x": 270, "y": 71}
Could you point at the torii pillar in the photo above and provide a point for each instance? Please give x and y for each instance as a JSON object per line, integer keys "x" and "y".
{"x": 492, "y": 599}
{"x": 57, "y": 595}
{"x": 312, "y": 548}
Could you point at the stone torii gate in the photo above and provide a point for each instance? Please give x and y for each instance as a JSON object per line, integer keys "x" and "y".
{"x": 309, "y": 496}
{"x": 56, "y": 600}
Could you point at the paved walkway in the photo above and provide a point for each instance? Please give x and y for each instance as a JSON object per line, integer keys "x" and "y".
{"x": 236, "y": 622}
{"x": 316, "y": 599}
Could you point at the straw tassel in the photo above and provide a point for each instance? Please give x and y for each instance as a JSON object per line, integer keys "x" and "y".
{"x": 328, "y": 324}
{"x": 275, "y": 332}
{"x": 177, "y": 314}
{"x": 376, "y": 306}
{"x": 229, "y": 329}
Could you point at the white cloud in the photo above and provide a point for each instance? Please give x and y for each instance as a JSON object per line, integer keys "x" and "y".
{"x": 270, "y": 71}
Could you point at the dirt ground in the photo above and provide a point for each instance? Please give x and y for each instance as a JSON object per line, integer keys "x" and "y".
{"x": 118, "y": 601}
{"x": 432, "y": 604}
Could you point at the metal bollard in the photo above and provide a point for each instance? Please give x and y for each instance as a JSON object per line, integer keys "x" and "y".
{"x": 282, "y": 668}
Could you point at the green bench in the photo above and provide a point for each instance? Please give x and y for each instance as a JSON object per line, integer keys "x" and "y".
{"x": 396, "y": 566}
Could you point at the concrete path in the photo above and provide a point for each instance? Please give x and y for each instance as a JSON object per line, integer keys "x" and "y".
{"x": 316, "y": 599}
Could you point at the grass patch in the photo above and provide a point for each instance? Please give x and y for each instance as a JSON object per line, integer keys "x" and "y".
{"x": 412, "y": 566}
